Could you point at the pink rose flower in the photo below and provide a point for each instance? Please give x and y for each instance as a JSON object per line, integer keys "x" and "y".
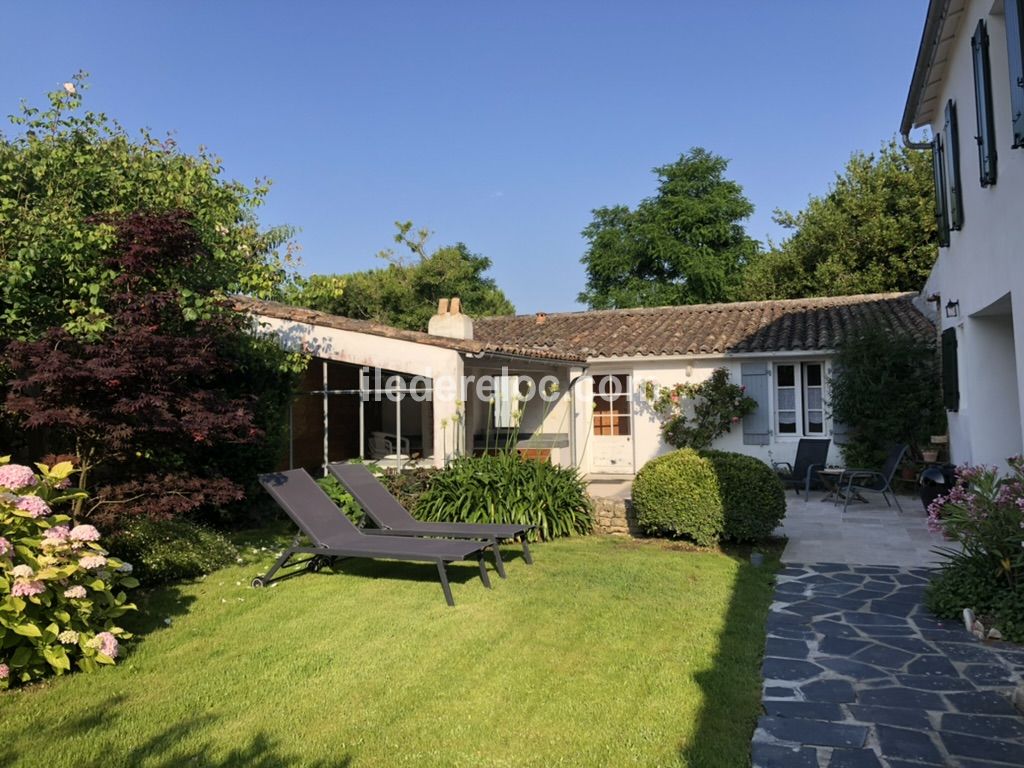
{"x": 27, "y": 588}
{"x": 34, "y": 505}
{"x": 5, "y": 546}
{"x": 84, "y": 533}
{"x": 75, "y": 593}
{"x": 92, "y": 561}
{"x": 16, "y": 477}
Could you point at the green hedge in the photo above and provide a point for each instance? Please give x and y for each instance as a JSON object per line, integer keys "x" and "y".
{"x": 753, "y": 497}
{"x": 678, "y": 495}
{"x": 161, "y": 551}
{"x": 506, "y": 488}
{"x": 708, "y": 496}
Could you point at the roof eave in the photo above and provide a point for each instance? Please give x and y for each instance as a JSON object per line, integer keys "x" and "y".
{"x": 922, "y": 68}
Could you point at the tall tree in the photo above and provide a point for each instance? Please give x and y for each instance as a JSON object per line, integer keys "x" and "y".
{"x": 873, "y": 231}
{"x": 684, "y": 245}
{"x": 404, "y": 294}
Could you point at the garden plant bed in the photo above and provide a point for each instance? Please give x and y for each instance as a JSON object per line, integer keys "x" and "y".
{"x": 605, "y": 652}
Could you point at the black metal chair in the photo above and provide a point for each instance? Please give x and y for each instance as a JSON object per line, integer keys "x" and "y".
{"x": 335, "y": 537}
{"x": 856, "y": 481}
{"x": 811, "y": 455}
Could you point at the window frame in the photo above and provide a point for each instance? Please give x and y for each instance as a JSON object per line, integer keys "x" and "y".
{"x": 800, "y": 399}
{"x": 939, "y": 176}
{"x": 1013, "y": 11}
{"x": 615, "y": 418}
{"x": 954, "y": 183}
{"x": 986, "y": 137}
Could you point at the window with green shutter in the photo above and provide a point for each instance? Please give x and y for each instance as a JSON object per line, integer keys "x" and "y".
{"x": 951, "y": 138}
{"x": 939, "y": 170}
{"x": 986, "y": 137}
{"x": 950, "y": 371}
{"x": 1014, "y": 11}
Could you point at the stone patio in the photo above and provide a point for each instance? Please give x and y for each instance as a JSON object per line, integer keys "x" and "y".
{"x": 858, "y": 673}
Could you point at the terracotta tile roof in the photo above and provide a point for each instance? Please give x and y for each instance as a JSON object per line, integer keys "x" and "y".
{"x": 816, "y": 324}
{"x": 285, "y": 312}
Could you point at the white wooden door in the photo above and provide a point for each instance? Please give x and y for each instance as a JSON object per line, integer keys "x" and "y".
{"x": 612, "y": 451}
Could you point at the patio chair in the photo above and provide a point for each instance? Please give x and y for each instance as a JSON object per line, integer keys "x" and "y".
{"x": 392, "y": 518}
{"x": 811, "y": 455}
{"x": 856, "y": 481}
{"x": 335, "y": 537}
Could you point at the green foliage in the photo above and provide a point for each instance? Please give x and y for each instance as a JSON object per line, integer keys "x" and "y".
{"x": 885, "y": 387}
{"x": 678, "y": 495}
{"x": 752, "y": 495}
{"x": 408, "y": 486}
{"x": 342, "y": 498}
{"x": 60, "y": 592}
{"x": 684, "y": 245}
{"x": 716, "y": 406}
{"x": 163, "y": 551}
{"x": 965, "y": 583}
{"x": 63, "y": 167}
{"x": 405, "y": 294}
{"x": 874, "y": 231}
{"x": 506, "y": 488}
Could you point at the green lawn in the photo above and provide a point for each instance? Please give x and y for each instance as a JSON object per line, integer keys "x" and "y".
{"x": 605, "y": 652}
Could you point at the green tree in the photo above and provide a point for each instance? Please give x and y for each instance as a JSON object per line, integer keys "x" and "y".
{"x": 873, "y": 232}
{"x": 684, "y": 245}
{"x": 404, "y": 293}
{"x": 64, "y": 172}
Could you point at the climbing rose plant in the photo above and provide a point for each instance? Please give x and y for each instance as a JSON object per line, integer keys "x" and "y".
{"x": 695, "y": 415}
{"x": 60, "y": 591}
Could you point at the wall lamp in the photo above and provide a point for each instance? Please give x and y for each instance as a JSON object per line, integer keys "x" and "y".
{"x": 952, "y": 308}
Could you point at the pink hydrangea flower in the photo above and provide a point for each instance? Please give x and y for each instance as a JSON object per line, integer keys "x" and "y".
{"x": 56, "y": 535}
{"x": 16, "y": 477}
{"x": 84, "y": 533}
{"x": 34, "y": 505}
{"x": 106, "y": 644}
{"x": 22, "y": 572}
{"x": 75, "y": 593}
{"x": 27, "y": 588}
{"x": 5, "y": 671}
{"x": 92, "y": 561}
{"x": 5, "y": 546}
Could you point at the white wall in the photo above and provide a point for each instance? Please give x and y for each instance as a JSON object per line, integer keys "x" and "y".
{"x": 668, "y": 372}
{"x": 985, "y": 260}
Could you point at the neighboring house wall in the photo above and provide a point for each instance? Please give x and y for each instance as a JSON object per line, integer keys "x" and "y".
{"x": 983, "y": 267}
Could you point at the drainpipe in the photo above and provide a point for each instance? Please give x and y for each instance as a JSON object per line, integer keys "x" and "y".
{"x": 914, "y": 144}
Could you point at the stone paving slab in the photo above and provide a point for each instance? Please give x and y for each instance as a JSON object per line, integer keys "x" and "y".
{"x": 858, "y": 673}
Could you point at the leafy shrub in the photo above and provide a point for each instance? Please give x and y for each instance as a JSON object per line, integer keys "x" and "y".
{"x": 716, "y": 403}
{"x": 678, "y": 495}
{"x": 506, "y": 488}
{"x": 753, "y": 498}
{"x": 60, "y": 592}
{"x": 342, "y": 498}
{"x": 409, "y": 486}
{"x": 886, "y": 388}
{"x": 169, "y": 550}
{"x": 984, "y": 514}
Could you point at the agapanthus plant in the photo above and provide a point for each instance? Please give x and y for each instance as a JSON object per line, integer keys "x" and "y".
{"x": 60, "y": 591}
{"x": 984, "y": 513}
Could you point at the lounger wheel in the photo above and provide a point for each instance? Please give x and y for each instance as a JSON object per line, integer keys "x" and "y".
{"x": 316, "y": 564}
{"x": 257, "y": 583}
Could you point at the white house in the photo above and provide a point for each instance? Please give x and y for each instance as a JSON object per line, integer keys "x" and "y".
{"x": 592, "y": 366}
{"x": 968, "y": 88}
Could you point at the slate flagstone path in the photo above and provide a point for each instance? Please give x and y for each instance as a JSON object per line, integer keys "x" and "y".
{"x": 857, "y": 674}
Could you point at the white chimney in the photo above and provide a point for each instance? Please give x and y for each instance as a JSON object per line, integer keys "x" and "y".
{"x": 449, "y": 321}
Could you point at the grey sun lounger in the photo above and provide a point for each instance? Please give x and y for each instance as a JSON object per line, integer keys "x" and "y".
{"x": 335, "y": 537}
{"x": 392, "y": 518}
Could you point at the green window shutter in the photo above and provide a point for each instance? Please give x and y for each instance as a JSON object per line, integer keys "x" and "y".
{"x": 757, "y": 425}
{"x": 939, "y": 170}
{"x": 1014, "y": 10}
{"x": 952, "y": 141}
{"x": 950, "y": 371}
{"x": 986, "y": 137}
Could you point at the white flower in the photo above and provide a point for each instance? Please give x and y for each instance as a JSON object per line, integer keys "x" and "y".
{"x": 126, "y": 568}
{"x": 22, "y": 572}
{"x": 69, "y": 88}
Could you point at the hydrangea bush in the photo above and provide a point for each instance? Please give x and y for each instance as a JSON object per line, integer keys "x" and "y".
{"x": 60, "y": 591}
{"x": 984, "y": 514}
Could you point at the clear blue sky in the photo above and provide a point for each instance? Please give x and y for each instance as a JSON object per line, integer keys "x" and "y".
{"x": 498, "y": 124}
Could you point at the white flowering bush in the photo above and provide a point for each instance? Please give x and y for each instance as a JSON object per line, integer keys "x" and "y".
{"x": 60, "y": 591}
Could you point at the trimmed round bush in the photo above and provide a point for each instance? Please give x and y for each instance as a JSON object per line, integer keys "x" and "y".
{"x": 753, "y": 498}
{"x": 678, "y": 495}
{"x": 162, "y": 551}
